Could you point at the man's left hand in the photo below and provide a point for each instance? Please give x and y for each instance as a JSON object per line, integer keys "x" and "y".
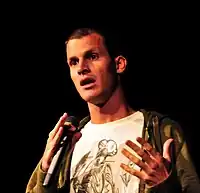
{"x": 153, "y": 165}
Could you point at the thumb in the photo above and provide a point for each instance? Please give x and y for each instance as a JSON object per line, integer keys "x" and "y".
{"x": 76, "y": 137}
{"x": 166, "y": 149}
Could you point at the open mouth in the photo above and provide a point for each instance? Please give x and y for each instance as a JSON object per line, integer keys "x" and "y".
{"x": 87, "y": 81}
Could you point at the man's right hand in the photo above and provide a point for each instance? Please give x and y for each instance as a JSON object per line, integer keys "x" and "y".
{"x": 52, "y": 143}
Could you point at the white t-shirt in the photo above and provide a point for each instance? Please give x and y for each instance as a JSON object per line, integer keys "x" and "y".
{"x": 97, "y": 156}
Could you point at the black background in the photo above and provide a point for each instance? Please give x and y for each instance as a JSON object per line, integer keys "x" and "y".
{"x": 162, "y": 76}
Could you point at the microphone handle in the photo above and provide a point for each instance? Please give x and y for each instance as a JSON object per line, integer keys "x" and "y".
{"x": 56, "y": 161}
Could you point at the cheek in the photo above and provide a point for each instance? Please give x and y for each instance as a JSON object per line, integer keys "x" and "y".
{"x": 108, "y": 76}
{"x": 73, "y": 77}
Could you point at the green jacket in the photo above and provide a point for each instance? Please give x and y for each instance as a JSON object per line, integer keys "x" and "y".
{"x": 157, "y": 129}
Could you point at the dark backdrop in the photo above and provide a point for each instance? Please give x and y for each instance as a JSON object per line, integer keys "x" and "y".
{"x": 162, "y": 76}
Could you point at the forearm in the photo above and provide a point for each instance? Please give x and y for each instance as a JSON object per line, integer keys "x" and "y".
{"x": 35, "y": 184}
{"x": 186, "y": 171}
{"x": 183, "y": 177}
{"x": 170, "y": 185}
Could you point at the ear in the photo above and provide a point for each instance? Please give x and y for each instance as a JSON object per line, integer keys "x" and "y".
{"x": 121, "y": 63}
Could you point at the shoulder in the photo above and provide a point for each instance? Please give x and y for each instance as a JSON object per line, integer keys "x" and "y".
{"x": 163, "y": 119}
{"x": 84, "y": 121}
{"x": 164, "y": 126}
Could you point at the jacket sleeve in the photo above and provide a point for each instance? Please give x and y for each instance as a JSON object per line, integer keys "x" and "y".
{"x": 183, "y": 176}
{"x": 35, "y": 183}
{"x": 186, "y": 171}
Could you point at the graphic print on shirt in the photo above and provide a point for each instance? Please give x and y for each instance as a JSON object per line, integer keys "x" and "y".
{"x": 93, "y": 173}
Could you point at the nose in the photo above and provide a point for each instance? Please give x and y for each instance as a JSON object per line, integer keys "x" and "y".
{"x": 83, "y": 68}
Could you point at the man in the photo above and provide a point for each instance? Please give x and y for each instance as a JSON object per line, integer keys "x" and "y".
{"x": 118, "y": 149}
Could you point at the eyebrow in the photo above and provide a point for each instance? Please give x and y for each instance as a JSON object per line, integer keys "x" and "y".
{"x": 73, "y": 58}
{"x": 84, "y": 54}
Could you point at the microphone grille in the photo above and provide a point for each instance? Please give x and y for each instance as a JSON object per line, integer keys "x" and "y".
{"x": 73, "y": 120}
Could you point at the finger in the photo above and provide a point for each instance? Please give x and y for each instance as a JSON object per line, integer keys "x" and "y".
{"x": 166, "y": 149}
{"x": 148, "y": 168}
{"x": 60, "y": 123}
{"x": 149, "y": 149}
{"x": 52, "y": 143}
{"x": 76, "y": 137}
{"x": 57, "y": 136}
{"x": 50, "y": 149}
{"x": 132, "y": 171}
{"x": 144, "y": 155}
{"x": 133, "y": 158}
{"x": 140, "y": 174}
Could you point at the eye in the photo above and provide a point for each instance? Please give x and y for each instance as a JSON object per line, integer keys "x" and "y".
{"x": 92, "y": 56}
{"x": 73, "y": 62}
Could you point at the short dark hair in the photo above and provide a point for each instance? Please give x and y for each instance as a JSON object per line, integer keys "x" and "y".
{"x": 112, "y": 39}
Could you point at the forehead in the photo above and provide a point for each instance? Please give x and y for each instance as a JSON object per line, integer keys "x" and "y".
{"x": 76, "y": 47}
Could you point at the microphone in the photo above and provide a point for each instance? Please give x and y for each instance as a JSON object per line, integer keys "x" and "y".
{"x": 65, "y": 144}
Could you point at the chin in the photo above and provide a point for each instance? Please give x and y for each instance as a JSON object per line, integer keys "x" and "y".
{"x": 90, "y": 98}
{"x": 95, "y": 98}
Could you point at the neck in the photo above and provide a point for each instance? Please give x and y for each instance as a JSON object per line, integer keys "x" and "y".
{"x": 115, "y": 108}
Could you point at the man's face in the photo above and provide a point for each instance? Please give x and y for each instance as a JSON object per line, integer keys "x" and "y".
{"x": 91, "y": 69}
